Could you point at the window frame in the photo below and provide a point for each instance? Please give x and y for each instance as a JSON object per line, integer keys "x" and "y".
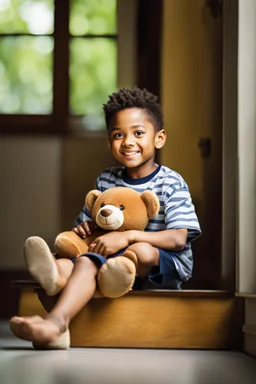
{"x": 57, "y": 122}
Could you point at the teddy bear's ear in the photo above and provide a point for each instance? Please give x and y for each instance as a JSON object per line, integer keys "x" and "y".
{"x": 152, "y": 203}
{"x": 91, "y": 197}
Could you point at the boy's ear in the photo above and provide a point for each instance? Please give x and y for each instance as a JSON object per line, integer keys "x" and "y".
{"x": 109, "y": 143}
{"x": 160, "y": 139}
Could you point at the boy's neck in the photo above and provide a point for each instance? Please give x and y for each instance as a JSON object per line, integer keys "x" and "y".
{"x": 138, "y": 173}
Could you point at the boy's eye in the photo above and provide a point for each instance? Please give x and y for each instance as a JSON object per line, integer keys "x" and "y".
{"x": 139, "y": 133}
{"x": 121, "y": 207}
{"x": 117, "y": 135}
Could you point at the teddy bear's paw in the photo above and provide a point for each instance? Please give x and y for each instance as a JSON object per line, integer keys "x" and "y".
{"x": 42, "y": 265}
{"x": 63, "y": 342}
{"x": 132, "y": 256}
{"x": 116, "y": 277}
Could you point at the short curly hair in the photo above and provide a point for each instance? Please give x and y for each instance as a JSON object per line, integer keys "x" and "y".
{"x": 134, "y": 98}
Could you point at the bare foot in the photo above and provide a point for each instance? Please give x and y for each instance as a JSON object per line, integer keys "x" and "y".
{"x": 42, "y": 265}
{"x": 36, "y": 329}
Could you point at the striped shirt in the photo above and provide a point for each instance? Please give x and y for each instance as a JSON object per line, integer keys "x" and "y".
{"x": 176, "y": 207}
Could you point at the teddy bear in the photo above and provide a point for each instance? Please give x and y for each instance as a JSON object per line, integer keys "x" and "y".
{"x": 116, "y": 209}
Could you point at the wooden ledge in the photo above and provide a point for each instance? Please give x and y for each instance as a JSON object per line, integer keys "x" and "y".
{"x": 146, "y": 292}
{"x": 151, "y": 319}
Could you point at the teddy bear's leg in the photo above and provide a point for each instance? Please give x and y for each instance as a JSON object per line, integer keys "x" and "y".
{"x": 69, "y": 244}
{"x": 42, "y": 265}
{"x": 116, "y": 277}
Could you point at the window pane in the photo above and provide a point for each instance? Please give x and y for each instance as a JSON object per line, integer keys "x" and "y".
{"x": 93, "y": 17}
{"x": 93, "y": 74}
{"x": 26, "y": 16}
{"x": 26, "y": 74}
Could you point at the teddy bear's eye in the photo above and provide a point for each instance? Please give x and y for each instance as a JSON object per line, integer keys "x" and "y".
{"x": 121, "y": 207}
{"x": 103, "y": 205}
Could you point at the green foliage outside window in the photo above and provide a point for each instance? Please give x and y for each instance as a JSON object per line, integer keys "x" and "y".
{"x": 26, "y": 61}
{"x": 92, "y": 74}
{"x": 26, "y": 74}
{"x": 26, "y": 16}
{"x": 93, "y": 61}
{"x": 92, "y": 17}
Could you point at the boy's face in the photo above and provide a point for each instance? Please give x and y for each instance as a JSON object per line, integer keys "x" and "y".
{"x": 133, "y": 140}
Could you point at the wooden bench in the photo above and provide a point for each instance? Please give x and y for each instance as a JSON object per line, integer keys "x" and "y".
{"x": 151, "y": 319}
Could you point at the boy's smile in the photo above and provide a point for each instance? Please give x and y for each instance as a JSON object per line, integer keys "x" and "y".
{"x": 133, "y": 141}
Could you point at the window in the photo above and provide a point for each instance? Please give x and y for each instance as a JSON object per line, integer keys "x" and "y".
{"x": 58, "y": 63}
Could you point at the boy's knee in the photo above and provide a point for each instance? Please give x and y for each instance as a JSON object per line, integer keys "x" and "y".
{"x": 139, "y": 247}
{"x": 146, "y": 253}
{"x": 86, "y": 263}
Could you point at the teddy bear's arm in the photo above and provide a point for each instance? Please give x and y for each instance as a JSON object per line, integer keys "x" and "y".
{"x": 68, "y": 244}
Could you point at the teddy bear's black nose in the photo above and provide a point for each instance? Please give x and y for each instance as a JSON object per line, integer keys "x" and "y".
{"x": 106, "y": 212}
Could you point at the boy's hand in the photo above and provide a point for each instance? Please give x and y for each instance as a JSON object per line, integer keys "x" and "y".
{"x": 85, "y": 229}
{"x": 110, "y": 243}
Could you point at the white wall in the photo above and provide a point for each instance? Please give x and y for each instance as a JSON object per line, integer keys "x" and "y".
{"x": 247, "y": 146}
{"x": 246, "y": 231}
{"x": 30, "y": 174}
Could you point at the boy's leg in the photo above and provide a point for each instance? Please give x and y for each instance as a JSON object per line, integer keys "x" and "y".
{"x": 52, "y": 275}
{"x": 147, "y": 257}
{"x": 78, "y": 291}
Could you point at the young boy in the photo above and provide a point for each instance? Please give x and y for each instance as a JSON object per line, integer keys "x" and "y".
{"x": 135, "y": 131}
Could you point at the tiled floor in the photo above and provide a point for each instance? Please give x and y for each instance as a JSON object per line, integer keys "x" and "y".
{"x": 20, "y": 364}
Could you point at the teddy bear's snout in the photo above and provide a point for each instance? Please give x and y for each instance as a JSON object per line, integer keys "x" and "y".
{"x": 106, "y": 212}
{"x": 110, "y": 217}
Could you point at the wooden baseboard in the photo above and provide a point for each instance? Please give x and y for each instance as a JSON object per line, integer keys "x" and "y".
{"x": 250, "y": 339}
{"x": 154, "y": 319}
{"x": 250, "y": 343}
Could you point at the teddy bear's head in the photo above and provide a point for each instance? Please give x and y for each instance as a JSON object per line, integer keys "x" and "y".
{"x": 121, "y": 209}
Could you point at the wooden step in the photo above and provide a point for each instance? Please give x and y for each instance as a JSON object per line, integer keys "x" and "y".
{"x": 152, "y": 319}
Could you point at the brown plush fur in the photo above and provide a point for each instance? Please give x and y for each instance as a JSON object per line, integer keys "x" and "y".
{"x": 138, "y": 209}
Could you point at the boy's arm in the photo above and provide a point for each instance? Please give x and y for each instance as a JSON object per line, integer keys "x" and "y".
{"x": 112, "y": 242}
{"x": 169, "y": 239}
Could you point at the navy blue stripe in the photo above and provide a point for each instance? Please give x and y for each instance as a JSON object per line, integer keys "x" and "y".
{"x": 142, "y": 180}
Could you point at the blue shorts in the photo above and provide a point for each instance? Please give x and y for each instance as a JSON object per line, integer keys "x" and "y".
{"x": 164, "y": 275}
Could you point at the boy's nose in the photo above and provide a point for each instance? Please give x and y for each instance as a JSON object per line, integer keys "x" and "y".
{"x": 127, "y": 141}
